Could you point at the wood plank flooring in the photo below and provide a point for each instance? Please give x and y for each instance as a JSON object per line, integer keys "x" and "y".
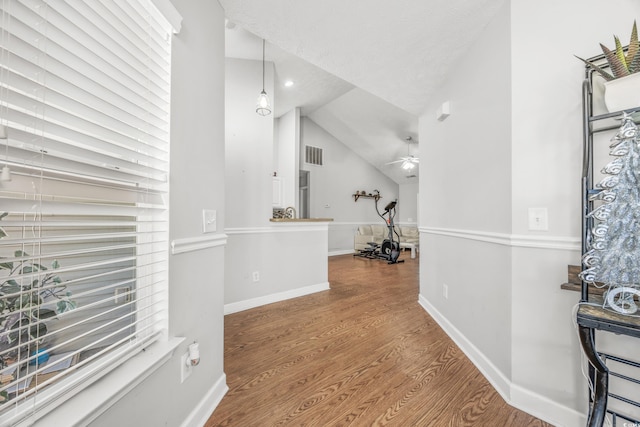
{"x": 361, "y": 354}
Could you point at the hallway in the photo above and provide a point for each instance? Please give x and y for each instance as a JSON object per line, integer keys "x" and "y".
{"x": 363, "y": 353}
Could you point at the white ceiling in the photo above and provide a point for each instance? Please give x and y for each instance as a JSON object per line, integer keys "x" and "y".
{"x": 363, "y": 69}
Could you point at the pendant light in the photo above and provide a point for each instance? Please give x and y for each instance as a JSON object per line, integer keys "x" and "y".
{"x": 262, "y": 107}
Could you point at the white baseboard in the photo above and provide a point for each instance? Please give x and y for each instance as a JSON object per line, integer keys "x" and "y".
{"x": 497, "y": 379}
{"x": 341, "y": 252}
{"x": 544, "y": 408}
{"x": 235, "y": 307}
{"x": 206, "y": 406}
{"x": 515, "y": 395}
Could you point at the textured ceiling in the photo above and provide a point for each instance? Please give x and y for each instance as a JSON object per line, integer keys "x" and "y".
{"x": 364, "y": 69}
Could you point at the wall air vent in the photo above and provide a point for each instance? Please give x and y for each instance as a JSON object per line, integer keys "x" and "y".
{"x": 313, "y": 155}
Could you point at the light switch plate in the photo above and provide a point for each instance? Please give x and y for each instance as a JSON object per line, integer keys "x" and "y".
{"x": 538, "y": 219}
{"x": 208, "y": 221}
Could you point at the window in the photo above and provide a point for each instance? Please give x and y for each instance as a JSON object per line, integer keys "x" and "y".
{"x": 84, "y": 147}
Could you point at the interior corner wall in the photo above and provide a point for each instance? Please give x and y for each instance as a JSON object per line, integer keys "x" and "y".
{"x": 196, "y": 183}
{"x": 546, "y": 160}
{"x": 332, "y": 186}
{"x": 526, "y": 151}
{"x": 465, "y": 203}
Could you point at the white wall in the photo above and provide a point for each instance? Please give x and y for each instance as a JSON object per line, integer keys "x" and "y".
{"x": 333, "y": 184}
{"x": 408, "y": 204}
{"x": 513, "y": 141}
{"x": 195, "y": 278}
{"x": 547, "y": 135}
{"x": 287, "y": 162}
{"x": 465, "y": 189}
{"x": 289, "y": 260}
{"x": 249, "y": 145}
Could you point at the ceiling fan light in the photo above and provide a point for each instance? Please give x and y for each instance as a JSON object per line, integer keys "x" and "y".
{"x": 408, "y": 165}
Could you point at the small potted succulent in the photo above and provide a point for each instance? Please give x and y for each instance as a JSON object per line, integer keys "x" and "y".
{"x": 622, "y": 80}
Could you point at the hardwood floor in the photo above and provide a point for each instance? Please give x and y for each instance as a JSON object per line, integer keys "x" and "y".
{"x": 361, "y": 354}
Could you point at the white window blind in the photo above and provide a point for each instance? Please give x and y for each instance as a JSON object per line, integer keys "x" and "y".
{"x": 84, "y": 103}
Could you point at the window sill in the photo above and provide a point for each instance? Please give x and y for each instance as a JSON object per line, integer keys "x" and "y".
{"x": 85, "y": 407}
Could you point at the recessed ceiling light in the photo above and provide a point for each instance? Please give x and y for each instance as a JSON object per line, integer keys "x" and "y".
{"x": 288, "y": 83}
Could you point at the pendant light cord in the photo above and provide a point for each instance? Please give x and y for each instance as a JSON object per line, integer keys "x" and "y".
{"x": 263, "y": 65}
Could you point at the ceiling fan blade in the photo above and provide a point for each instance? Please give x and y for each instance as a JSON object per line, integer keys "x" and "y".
{"x": 396, "y": 161}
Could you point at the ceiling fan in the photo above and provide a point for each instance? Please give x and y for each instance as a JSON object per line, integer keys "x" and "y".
{"x": 409, "y": 161}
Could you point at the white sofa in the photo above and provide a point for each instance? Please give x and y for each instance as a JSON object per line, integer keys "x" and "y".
{"x": 378, "y": 232}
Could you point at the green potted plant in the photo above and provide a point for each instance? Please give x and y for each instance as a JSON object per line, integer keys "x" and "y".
{"x": 25, "y": 304}
{"x": 622, "y": 81}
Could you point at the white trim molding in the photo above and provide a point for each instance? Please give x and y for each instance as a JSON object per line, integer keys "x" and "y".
{"x": 235, "y": 307}
{"x": 513, "y": 240}
{"x": 171, "y": 14}
{"x": 497, "y": 379}
{"x": 282, "y": 227}
{"x": 86, "y": 406}
{"x": 358, "y": 223}
{"x": 206, "y": 406}
{"x": 190, "y": 244}
{"x": 341, "y": 252}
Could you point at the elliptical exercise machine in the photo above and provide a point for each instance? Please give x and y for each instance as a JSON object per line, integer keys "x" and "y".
{"x": 390, "y": 248}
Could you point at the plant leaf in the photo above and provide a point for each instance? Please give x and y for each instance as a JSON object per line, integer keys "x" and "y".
{"x": 28, "y": 300}
{"x": 2, "y": 233}
{"x": 618, "y": 68}
{"x": 55, "y": 264}
{"x": 7, "y": 265}
{"x": 598, "y": 69}
{"x": 10, "y": 287}
{"x": 620, "y": 52}
{"x": 633, "y": 45}
{"x": 3, "y": 214}
{"x": 634, "y": 66}
{"x": 18, "y": 254}
{"x": 38, "y": 331}
{"x": 65, "y": 305}
{"x": 43, "y": 313}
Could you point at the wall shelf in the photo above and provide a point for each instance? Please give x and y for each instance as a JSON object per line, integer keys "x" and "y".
{"x": 358, "y": 195}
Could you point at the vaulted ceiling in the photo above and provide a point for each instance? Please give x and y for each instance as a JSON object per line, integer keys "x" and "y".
{"x": 363, "y": 69}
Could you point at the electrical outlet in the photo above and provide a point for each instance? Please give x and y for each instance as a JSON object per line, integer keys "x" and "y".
{"x": 256, "y": 276}
{"x": 185, "y": 369}
{"x": 445, "y": 291}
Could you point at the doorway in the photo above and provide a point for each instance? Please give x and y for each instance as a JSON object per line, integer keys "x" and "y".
{"x": 303, "y": 186}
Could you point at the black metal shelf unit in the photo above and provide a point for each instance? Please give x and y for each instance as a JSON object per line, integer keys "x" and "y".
{"x": 591, "y": 315}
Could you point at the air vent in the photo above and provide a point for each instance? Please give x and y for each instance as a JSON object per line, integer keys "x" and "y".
{"x": 313, "y": 155}
{"x": 411, "y": 176}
